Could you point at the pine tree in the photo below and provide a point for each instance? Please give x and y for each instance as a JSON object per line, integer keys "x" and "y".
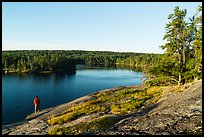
{"x": 175, "y": 36}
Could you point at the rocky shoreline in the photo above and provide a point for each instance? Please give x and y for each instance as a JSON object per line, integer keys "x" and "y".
{"x": 174, "y": 113}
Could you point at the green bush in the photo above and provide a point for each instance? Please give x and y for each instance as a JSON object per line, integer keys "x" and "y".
{"x": 126, "y": 107}
{"x": 161, "y": 81}
{"x": 133, "y": 99}
{"x": 54, "y": 131}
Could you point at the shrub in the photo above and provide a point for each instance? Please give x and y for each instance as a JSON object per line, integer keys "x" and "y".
{"x": 126, "y": 107}
{"x": 54, "y": 131}
{"x": 133, "y": 99}
{"x": 62, "y": 119}
{"x": 161, "y": 81}
{"x": 154, "y": 91}
{"x": 115, "y": 109}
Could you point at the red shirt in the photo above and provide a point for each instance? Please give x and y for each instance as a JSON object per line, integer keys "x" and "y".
{"x": 36, "y": 101}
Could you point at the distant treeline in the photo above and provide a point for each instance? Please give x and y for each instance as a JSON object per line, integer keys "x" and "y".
{"x": 43, "y": 61}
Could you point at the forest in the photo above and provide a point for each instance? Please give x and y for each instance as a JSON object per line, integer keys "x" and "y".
{"x": 42, "y": 61}
{"x": 180, "y": 63}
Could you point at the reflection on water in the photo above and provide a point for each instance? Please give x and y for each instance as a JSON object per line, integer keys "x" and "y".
{"x": 57, "y": 76}
{"x": 115, "y": 67}
{"x": 19, "y": 90}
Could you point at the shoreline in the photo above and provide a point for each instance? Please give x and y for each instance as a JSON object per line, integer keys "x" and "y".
{"x": 67, "y": 104}
{"x": 25, "y": 115}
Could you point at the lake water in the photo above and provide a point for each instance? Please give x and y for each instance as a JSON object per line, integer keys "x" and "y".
{"x": 18, "y": 91}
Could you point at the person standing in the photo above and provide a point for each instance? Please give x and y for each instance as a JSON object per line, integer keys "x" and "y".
{"x": 36, "y": 103}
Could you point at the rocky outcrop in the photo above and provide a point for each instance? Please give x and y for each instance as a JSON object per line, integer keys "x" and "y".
{"x": 174, "y": 113}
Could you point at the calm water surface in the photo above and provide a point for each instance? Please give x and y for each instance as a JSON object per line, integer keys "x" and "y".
{"x": 18, "y": 91}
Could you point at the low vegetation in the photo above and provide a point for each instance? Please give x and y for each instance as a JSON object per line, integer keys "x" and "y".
{"x": 111, "y": 105}
{"x": 86, "y": 127}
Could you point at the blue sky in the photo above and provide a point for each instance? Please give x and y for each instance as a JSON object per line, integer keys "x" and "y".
{"x": 96, "y": 26}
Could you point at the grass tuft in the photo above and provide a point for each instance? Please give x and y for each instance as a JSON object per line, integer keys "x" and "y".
{"x": 120, "y": 102}
{"x": 86, "y": 127}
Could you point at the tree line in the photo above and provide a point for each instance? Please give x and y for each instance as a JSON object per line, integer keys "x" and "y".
{"x": 42, "y": 61}
{"x": 36, "y": 62}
